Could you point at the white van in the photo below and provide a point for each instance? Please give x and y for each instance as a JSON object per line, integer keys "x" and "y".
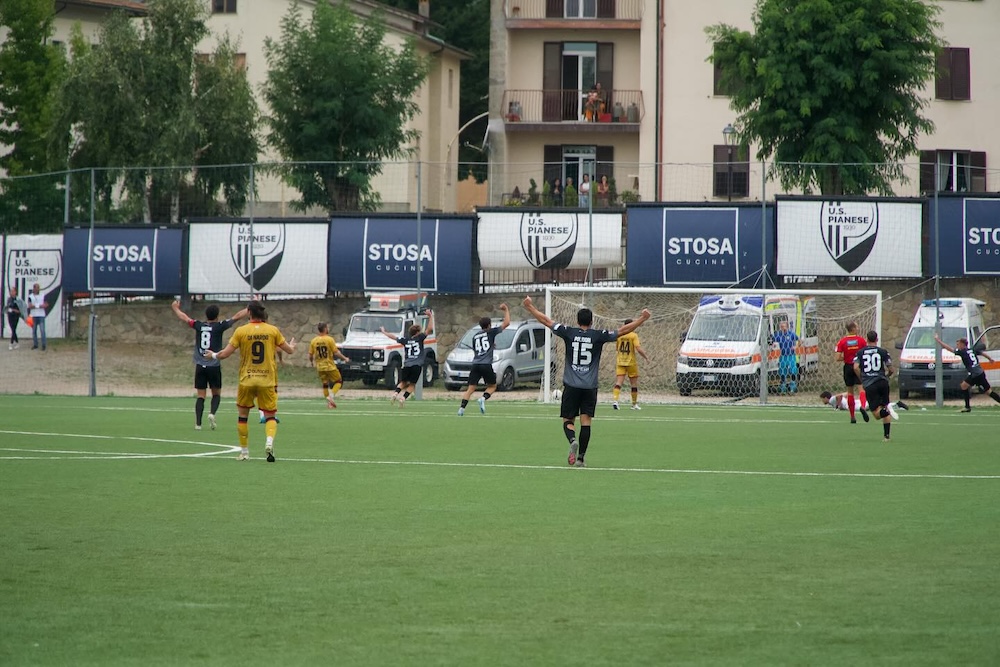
{"x": 960, "y": 318}
{"x": 722, "y": 347}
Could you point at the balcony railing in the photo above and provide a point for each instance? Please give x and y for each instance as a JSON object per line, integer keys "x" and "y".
{"x": 572, "y": 106}
{"x": 628, "y": 10}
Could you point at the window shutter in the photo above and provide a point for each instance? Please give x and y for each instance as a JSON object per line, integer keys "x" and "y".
{"x": 605, "y": 10}
{"x": 553, "y": 163}
{"x": 606, "y": 72}
{"x": 605, "y": 162}
{"x": 942, "y": 82}
{"x": 554, "y": 9}
{"x": 977, "y": 162}
{"x": 927, "y": 161}
{"x": 720, "y": 182}
{"x": 552, "y": 82}
{"x": 961, "y": 80}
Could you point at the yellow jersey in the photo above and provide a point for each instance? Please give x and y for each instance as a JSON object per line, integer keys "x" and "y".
{"x": 323, "y": 349}
{"x": 258, "y": 343}
{"x": 626, "y": 346}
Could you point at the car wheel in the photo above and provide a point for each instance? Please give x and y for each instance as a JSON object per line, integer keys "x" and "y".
{"x": 392, "y": 373}
{"x": 429, "y": 374}
{"x": 507, "y": 379}
{"x": 369, "y": 380}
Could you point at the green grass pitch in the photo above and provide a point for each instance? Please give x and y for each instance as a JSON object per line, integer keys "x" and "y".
{"x": 717, "y": 536}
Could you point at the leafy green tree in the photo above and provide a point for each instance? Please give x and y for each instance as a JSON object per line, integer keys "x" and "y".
{"x": 149, "y": 111}
{"x": 831, "y": 89}
{"x": 30, "y": 70}
{"x": 338, "y": 93}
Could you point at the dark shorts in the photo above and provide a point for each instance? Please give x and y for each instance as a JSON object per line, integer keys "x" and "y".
{"x": 877, "y": 394}
{"x": 207, "y": 376}
{"x": 410, "y": 374}
{"x": 851, "y": 378}
{"x": 978, "y": 380}
{"x": 482, "y": 372}
{"x": 576, "y": 401}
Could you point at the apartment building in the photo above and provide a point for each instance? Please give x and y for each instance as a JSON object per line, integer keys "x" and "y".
{"x": 659, "y": 123}
{"x": 251, "y": 23}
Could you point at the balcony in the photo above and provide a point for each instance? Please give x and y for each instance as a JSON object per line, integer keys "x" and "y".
{"x": 574, "y": 14}
{"x": 568, "y": 110}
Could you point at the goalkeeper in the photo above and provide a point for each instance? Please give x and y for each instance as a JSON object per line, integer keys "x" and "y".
{"x": 627, "y": 364}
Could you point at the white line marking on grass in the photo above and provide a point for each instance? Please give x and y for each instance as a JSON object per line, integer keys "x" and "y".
{"x": 73, "y": 454}
{"x": 671, "y": 471}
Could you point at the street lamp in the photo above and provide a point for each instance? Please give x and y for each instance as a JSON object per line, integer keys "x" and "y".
{"x": 729, "y": 137}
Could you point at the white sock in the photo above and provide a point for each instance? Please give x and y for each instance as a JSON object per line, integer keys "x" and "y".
{"x": 269, "y": 442}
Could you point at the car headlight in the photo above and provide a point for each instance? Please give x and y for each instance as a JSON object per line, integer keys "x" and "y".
{"x": 682, "y": 359}
{"x": 742, "y": 361}
{"x": 377, "y": 354}
{"x": 906, "y": 365}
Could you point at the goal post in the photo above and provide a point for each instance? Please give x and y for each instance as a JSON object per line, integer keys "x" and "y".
{"x": 767, "y": 346}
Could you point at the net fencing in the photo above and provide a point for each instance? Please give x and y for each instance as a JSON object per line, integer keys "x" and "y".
{"x": 711, "y": 346}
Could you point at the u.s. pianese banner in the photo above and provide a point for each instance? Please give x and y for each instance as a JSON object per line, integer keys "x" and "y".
{"x": 279, "y": 257}
{"x": 860, "y": 238}
{"x": 525, "y": 239}
{"x": 31, "y": 259}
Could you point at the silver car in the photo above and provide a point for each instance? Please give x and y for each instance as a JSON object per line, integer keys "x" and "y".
{"x": 518, "y": 355}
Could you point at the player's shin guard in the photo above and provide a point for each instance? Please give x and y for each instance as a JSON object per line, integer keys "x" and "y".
{"x": 326, "y": 391}
{"x": 243, "y": 431}
{"x": 885, "y": 429}
{"x": 967, "y": 395}
{"x": 568, "y": 431}
{"x": 216, "y": 400}
{"x": 335, "y": 388}
{"x": 199, "y": 410}
{"x": 486, "y": 395}
{"x": 883, "y": 413}
{"x": 635, "y": 395}
{"x": 465, "y": 403}
{"x": 271, "y": 429}
{"x": 584, "y": 440}
{"x": 616, "y": 392}
{"x": 850, "y": 404}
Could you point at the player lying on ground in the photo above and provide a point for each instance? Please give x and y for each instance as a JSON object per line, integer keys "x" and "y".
{"x": 839, "y": 402}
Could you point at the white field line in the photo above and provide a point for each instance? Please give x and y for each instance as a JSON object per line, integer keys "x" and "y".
{"x": 74, "y": 454}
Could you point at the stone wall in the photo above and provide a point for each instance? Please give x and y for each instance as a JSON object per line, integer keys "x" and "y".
{"x": 155, "y": 323}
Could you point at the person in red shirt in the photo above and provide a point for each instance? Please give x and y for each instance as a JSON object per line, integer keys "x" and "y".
{"x": 847, "y": 348}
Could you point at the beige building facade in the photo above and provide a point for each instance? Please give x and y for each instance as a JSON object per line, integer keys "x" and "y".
{"x": 657, "y": 128}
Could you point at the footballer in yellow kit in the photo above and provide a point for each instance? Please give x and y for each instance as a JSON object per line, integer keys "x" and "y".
{"x": 627, "y": 364}
{"x": 258, "y": 343}
{"x": 322, "y": 352}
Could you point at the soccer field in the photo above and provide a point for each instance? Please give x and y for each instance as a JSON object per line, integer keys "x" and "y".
{"x": 697, "y": 535}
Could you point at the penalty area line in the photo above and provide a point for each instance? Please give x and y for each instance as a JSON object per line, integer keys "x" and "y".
{"x": 97, "y": 455}
{"x": 662, "y": 471}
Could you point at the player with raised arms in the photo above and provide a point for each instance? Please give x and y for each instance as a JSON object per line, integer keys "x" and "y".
{"x": 583, "y": 346}
{"x": 482, "y": 361}
{"x": 627, "y": 346}
{"x": 258, "y": 343}
{"x": 847, "y": 349}
{"x": 207, "y": 372}
{"x": 976, "y": 374}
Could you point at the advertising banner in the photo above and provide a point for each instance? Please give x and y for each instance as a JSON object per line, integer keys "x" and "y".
{"x": 36, "y": 259}
{"x": 672, "y": 244}
{"x": 384, "y": 253}
{"x": 859, "y": 238}
{"x": 533, "y": 239}
{"x": 125, "y": 259}
{"x": 279, "y": 257}
{"x": 981, "y": 236}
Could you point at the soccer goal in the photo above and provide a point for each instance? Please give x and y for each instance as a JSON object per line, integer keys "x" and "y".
{"x": 723, "y": 345}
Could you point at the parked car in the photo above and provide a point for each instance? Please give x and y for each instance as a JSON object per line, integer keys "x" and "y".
{"x": 518, "y": 355}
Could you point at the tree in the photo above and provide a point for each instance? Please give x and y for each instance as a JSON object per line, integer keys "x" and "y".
{"x": 338, "y": 93}
{"x": 831, "y": 89}
{"x": 149, "y": 110}
{"x": 31, "y": 68}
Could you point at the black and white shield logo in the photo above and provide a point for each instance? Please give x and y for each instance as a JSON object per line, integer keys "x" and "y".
{"x": 849, "y": 231}
{"x": 258, "y": 257}
{"x": 26, "y": 267}
{"x": 549, "y": 239}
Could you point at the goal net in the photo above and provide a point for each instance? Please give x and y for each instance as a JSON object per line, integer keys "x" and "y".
{"x": 724, "y": 345}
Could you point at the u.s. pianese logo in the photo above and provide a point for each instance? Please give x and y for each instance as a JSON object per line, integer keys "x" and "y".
{"x": 849, "y": 231}
{"x": 260, "y": 256}
{"x": 26, "y": 267}
{"x": 549, "y": 239}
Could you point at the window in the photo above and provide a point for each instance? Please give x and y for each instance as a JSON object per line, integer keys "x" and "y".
{"x": 953, "y": 80}
{"x": 956, "y": 171}
{"x": 586, "y": 9}
{"x": 524, "y": 342}
{"x": 731, "y": 171}
{"x": 223, "y": 6}
{"x": 539, "y": 336}
{"x": 721, "y": 85}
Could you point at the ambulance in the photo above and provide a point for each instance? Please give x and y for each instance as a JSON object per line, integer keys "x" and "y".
{"x": 731, "y": 334}
{"x": 960, "y": 318}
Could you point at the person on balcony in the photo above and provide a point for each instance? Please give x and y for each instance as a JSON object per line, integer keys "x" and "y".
{"x": 557, "y": 192}
{"x": 603, "y": 190}
{"x": 585, "y": 191}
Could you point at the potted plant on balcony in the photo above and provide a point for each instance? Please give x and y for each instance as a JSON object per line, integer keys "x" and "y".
{"x": 533, "y": 193}
{"x": 546, "y": 194}
{"x": 571, "y": 196}
{"x": 612, "y": 193}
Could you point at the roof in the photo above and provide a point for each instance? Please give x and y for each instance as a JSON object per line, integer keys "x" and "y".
{"x": 129, "y": 6}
